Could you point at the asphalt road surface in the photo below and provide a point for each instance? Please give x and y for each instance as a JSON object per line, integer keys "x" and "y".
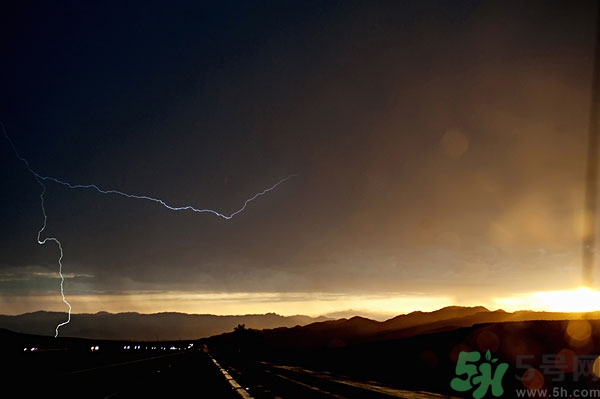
{"x": 270, "y": 381}
{"x": 182, "y": 374}
{"x": 189, "y": 374}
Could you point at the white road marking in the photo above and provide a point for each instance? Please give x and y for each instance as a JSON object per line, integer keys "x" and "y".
{"x": 399, "y": 393}
{"x": 308, "y": 386}
{"x": 238, "y": 388}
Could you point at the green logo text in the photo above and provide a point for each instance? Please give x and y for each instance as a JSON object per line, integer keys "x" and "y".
{"x": 480, "y": 376}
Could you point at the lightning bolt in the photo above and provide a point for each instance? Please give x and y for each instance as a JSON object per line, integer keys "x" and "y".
{"x": 41, "y": 179}
{"x": 161, "y": 202}
{"x": 60, "y": 266}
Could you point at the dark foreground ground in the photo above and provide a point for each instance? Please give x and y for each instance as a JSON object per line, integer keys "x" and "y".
{"x": 544, "y": 358}
{"x": 558, "y": 359}
{"x": 72, "y": 368}
{"x": 183, "y": 374}
{"x": 189, "y": 374}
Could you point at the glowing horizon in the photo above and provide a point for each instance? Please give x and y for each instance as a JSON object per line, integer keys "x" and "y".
{"x": 220, "y": 303}
{"x": 578, "y": 300}
{"x": 314, "y": 304}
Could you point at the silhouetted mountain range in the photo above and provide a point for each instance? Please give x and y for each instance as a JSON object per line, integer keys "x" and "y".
{"x": 299, "y": 331}
{"x": 144, "y": 327}
{"x": 343, "y": 332}
{"x": 417, "y": 351}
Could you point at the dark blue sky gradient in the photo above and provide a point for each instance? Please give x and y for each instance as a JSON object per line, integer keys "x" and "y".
{"x": 207, "y": 103}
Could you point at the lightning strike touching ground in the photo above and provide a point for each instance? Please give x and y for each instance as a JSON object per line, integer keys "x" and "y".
{"x": 40, "y": 178}
{"x": 44, "y": 241}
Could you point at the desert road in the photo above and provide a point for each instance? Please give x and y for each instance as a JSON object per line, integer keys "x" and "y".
{"x": 189, "y": 374}
{"x": 270, "y": 381}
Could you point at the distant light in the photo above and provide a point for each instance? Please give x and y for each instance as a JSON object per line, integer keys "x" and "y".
{"x": 596, "y": 367}
{"x": 581, "y": 299}
{"x": 24, "y": 349}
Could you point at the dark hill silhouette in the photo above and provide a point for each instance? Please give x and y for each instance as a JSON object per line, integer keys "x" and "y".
{"x": 344, "y": 332}
{"x": 337, "y": 333}
{"x": 418, "y": 317}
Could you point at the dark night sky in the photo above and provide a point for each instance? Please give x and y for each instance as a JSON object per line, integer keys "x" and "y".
{"x": 441, "y": 147}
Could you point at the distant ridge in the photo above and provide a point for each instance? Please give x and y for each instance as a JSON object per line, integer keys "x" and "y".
{"x": 146, "y": 327}
{"x": 299, "y": 330}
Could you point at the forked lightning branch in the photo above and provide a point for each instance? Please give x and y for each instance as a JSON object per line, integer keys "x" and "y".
{"x": 41, "y": 179}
